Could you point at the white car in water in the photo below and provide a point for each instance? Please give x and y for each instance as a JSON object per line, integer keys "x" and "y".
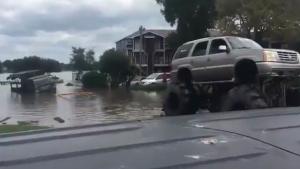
{"x": 156, "y": 78}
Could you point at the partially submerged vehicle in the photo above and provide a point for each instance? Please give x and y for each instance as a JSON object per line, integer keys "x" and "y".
{"x": 32, "y": 81}
{"x": 156, "y": 78}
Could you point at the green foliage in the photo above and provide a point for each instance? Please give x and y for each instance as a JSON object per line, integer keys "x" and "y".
{"x": 18, "y": 128}
{"x": 94, "y": 80}
{"x": 274, "y": 18}
{"x": 78, "y": 58}
{"x": 1, "y": 67}
{"x": 116, "y": 64}
{"x": 82, "y": 60}
{"x": 192, "y": 17}
{"x": 31, "y": 63}
{"x": 90, "y": 57}
{"x": 173, "y": 40}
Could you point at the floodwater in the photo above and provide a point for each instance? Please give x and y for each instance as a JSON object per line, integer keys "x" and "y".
{"x": 77, "y": 108}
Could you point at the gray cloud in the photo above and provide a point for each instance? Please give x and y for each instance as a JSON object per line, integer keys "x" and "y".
{"x": 50, "y": 28}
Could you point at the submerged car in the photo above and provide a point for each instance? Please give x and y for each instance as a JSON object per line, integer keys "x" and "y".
{"x": 156, "y": 78}
{"x": 137, "y": 81}
{"x": 213, "y": 59}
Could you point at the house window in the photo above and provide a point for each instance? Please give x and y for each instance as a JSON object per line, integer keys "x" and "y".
{"x": 130, "y": 53}
{"x": 161, "y": 44}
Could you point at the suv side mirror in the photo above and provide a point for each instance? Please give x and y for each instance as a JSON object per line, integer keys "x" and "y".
{"x": 223, "y": 48}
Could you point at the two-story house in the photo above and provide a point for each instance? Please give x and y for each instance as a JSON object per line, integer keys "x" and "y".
{"x": 148, "y": 50}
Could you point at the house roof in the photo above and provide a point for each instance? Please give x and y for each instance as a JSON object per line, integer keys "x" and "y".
{"x": 160, "y": 32}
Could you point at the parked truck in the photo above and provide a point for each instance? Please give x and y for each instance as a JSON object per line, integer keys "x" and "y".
{"x": 212, "y": 61}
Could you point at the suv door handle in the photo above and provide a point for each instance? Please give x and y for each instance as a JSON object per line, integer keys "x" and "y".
{"x": 208, "y": 59}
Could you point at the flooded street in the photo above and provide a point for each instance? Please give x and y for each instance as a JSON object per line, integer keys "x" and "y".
{"x": 100, "y": 106}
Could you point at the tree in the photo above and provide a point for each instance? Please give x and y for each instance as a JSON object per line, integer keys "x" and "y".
{"x": 94, "y": 80}
{"x": 116, "y": 64}
{"x": 1, "y": 67}
{"x": 90, "y": 57}
{"x": 31, "y": 63}
{"x": 90, "y": 60}
{"x": 82, "y": 59}
{"x": 78, "y": 58}
{"x": 192, "y": 17}
{"x": 258, "y": 18}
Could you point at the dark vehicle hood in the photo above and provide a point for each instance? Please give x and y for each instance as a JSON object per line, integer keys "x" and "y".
{"x": 262, "y": 139}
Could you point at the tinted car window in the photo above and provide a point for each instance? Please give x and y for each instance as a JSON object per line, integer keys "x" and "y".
{"x": 214, "y": 47}
{"x": 183, "y": 51}
{"x": 243, "y": 43}
{"x": 159, "y": 77}
{"x": 200, "y": 49}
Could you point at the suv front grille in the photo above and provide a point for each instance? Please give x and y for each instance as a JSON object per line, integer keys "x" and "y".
{"x": 289, "y": 57}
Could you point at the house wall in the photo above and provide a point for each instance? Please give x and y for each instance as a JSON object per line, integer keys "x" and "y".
{"x": 121, "y": 46}
{"x": 161, "y": 57}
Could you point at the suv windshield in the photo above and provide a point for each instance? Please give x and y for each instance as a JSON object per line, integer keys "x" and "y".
{"x": 153, "y": 76}
{"x": 243, "y": 43}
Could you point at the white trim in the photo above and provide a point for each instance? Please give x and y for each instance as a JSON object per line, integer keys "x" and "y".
{"x": 199, "y": 68}
{"x": 147, "y": 31}
{"x": 220, "y": 66}
{"x": 212, "y": 67}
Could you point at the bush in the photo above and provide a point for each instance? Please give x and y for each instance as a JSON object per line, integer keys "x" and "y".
{"x": 116, "y": 64}
{"x": 94, "y": 80}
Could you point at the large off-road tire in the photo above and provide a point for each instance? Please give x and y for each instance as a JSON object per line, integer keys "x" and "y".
{"x": 293, "y": 97}
{"x": 218, "y": 96}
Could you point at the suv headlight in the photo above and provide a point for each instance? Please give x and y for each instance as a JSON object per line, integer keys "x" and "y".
{"x": 270, "y": 56}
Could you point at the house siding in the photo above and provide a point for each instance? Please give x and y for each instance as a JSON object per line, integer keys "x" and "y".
{"x": 139, "y": 55}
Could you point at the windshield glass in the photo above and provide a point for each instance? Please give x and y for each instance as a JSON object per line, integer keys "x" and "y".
{"x": 153, "y": 76}
{"x": 243, "y": 43}
{"x": 130, "y": 84}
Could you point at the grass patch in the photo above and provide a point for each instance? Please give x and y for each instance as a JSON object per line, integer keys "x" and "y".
{"x": 18, "y": 128}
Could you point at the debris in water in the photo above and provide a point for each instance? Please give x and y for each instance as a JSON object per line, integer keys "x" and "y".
{"x": 5, "y": 119}
{"x": 209, "y": 141}
{"x": 69, "y": 84}
{"x": 199, "y": 126}
{"x": 58, "y": 119}
{"x": 196, "y": 157}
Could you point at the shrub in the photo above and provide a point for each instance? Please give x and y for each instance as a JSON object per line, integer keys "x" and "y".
{"x": 94, "y": 80}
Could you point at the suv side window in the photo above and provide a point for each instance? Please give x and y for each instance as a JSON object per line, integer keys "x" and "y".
{"x": 214, "y": 47}
{"x": 183, "y": 51}
{"x": 159, "y": 77}
{"x": 200, "y": 49}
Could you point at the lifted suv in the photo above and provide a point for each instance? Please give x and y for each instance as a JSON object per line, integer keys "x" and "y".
{"x": 213, "y": 59}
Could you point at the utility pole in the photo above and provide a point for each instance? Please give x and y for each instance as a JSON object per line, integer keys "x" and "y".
{"x": 141, "y": 31}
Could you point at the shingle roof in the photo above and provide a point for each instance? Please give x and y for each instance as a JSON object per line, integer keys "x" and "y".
{"x": 160, "y": 32}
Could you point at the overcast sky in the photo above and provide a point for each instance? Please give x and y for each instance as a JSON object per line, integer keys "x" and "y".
{"x": 49, "y": 28}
